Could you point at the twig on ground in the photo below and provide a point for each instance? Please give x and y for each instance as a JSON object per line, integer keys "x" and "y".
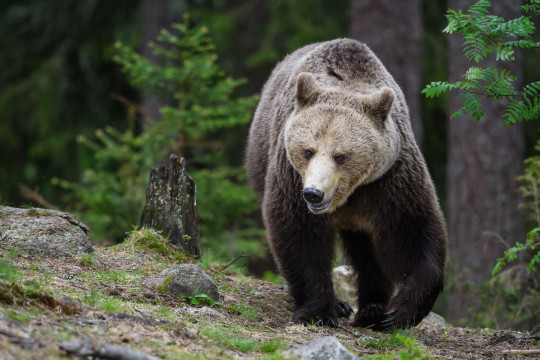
{"x": 90, "y": 347}
{"x": 238, "y": 258}
{"x": 498, "y": 338}
{"x": 521, "y": 352}
{"x": 357, "y": 335}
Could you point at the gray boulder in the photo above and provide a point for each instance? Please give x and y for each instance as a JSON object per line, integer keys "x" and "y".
{"x": 433, "y": 320}
{"x": 184, "y": 280}
{"x": 345, "y": 284}
{"x": 43, "y": 232}
{"x": 324, "y": 348}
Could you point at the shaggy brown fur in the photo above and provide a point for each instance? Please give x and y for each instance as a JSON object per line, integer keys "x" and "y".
{"x": 331, "y": 153}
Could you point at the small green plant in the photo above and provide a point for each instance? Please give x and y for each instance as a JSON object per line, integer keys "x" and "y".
{"x": 410, "y": 350}
{"x": 113, "y": 305}
{"x": 484, "y": 34}
{"x": 87, "y": 260}
{"x": 532, "y": 245}
{"x": 33, "y": 211}
{"x": 8, "y": 272}
{"x": 93, "y": 298}
{"x": 530, "y": 188}
{"x": 201, "y": 299}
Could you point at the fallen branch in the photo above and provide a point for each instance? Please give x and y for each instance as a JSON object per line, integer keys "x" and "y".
{"x": 30, "y": 194}
{"x": 90, "y": 347}
{"x": 238, "y": 258}
{"x": 521, "y": 352}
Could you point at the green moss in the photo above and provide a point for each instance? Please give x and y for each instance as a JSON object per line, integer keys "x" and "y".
{"x": 164, "y": 287}
{"x": 34, "y": 212}
{"x": 18, "y": 316}
{"x": 153, "y": 241}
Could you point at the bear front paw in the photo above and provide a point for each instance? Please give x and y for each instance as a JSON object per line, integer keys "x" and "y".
{"x": 374, "y": 316}
{"x": 308, "y": 317}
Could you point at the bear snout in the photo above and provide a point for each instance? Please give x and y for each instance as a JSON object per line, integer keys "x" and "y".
{"x": 313, "y": 195}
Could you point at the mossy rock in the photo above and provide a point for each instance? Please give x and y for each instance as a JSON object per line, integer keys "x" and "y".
{"x": 43, "y": 232}
{"x": 184, "y": 280}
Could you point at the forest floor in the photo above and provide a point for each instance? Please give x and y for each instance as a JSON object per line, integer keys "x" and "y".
{"x": 45, "y": 302}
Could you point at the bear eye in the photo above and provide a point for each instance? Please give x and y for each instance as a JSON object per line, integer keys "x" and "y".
{"x": 339, "y": 159}
{"x": 308, "y": 154}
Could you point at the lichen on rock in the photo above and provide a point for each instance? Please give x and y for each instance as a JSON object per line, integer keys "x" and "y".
{"x": 43, "y": 232}
{"x": 184, "y": 280}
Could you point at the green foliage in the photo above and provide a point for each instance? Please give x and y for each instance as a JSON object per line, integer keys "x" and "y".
{"x": 87, "y": 260}
{"x": 8, "y": 272}
{"x": 201, "y": 299}
{"x": 531, "y": 245}
{"x": 236, "y": 340}
{"x": 110, "y": 195}
{"x": 56, "y": 78}
{"x": 485, "y": 34}
{"x": 530, "y": 189}
{"x": 507, "y": 301}
{"x": 409, "y": 351}
{"x": 197, "y": 107}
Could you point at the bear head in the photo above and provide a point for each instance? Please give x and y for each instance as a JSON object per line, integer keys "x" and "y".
{"x": 338, "y": 140}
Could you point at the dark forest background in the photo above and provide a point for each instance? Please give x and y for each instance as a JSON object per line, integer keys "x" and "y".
{"x": 59, "y": 83}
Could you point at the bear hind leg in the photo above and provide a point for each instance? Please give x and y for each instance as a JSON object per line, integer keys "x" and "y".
{"x": 374, "y": 289}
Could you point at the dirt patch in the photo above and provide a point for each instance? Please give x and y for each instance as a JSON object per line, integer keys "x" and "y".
{"x": 109, "y": 303}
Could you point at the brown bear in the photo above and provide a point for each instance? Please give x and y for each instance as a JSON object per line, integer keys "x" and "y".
{"x": 332, "y": 155}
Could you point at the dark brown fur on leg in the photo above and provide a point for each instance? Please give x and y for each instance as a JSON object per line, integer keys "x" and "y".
{"x": 415, "y": 252}
{"x": 303, "y": 245}
{"x": 374, "y": 289}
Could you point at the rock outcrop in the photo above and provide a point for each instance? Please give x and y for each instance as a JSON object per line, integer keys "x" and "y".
{"x": 43, "y": 232}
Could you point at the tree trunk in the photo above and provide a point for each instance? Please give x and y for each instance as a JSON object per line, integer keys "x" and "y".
{"x": 392, "y": 29}
{"x": 156, "y": 15}
{"x": 171, "y": 205}
{"x": 483, "y": 196}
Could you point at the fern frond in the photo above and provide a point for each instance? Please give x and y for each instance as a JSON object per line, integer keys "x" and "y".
{"x": 480, "y": 8}
{"x": 532, "y": 89}
{"x": 436, "y": 88}
{"x": 534, "y": 6}
{"x": 473, "y": 73}
{"x": 472, "y": 106}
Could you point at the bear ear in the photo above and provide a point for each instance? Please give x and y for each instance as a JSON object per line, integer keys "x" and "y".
{"x": 378, "y": 105}
{"x": 307, "y": 90}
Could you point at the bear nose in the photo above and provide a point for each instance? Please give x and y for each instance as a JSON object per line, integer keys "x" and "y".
{"x": 313, "y": 195}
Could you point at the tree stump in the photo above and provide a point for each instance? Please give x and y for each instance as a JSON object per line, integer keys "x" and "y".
{"x": 171, "y": 205}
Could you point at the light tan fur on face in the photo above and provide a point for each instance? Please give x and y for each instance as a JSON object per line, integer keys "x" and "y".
{"x": 330, "y": 124}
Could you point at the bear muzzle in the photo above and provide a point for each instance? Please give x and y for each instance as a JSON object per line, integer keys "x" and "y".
{"x": 314, "y": 198}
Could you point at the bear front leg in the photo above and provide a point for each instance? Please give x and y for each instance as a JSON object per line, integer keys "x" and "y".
{"x": 373, "y": 287}
{"x": 415, "y": 299}
{"x": 303, "y": 247}
{"x": 417, "y": 264}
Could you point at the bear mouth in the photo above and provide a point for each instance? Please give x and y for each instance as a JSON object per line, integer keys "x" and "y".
{"x": 319, "y": 208}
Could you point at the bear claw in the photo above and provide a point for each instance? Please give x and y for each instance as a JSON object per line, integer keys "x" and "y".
{"x": 389, "y": 323}
{"x": 370, "y": 316}
{"x": 344, "y": 310}
{"x": 328, "y": 322}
